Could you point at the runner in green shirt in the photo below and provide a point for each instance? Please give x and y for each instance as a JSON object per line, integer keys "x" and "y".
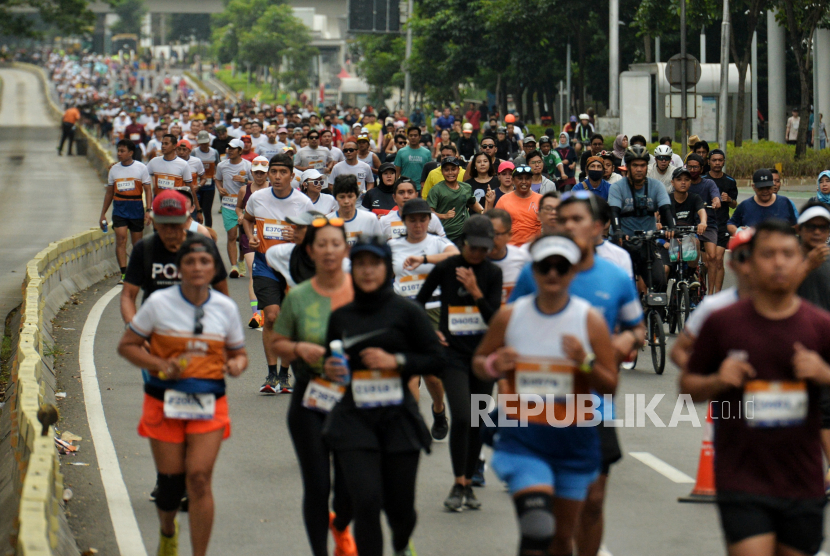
{"x": 553, "y": 163}
{"x": 451, "y": 199}
{"x": 410, "y": 160}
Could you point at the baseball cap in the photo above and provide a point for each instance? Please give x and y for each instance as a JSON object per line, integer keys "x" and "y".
{"x": 544, "y": 139}
{"x": 363, "y": 137}
{"x": 356, "y": 125}
{"x": 741, "y": 238}
{"x": 246, "y": 138}
{"x": 169, "y": 208}
{"x": 310, "y": 174}
{"x": 185, "y": 143}
{"x": 478, "y": 231}
{"x": 415, "y": 206}
{"x": 506, "y": 165}
{"x": 501, "y": 129}
{"x": 529, "y": 138}
{"x": 813, "y": 212}
{"x": 549, "y": 246}
{"x": 762, "y": 178}
{"x": 373, "y": 244}
{"x": 386, "y": 166}
{"x": 304, "y": 218}
{"x": 203, "y": 137}
{"x": 236, "y": 144}
{"x": 679, "y": 172}
{"x": 468, "y": 128}
{"x": 280, "y": 109}
{"x": 282, "y": 130}
{"x": 450, "y": 160}
{"x": 259, "y": 164}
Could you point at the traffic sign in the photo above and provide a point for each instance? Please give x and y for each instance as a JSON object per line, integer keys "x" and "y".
{"x": 693, "y": 71}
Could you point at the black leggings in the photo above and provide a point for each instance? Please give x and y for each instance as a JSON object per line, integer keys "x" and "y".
{"x": 465, "y": 441}
{"x": 381, "y": 481}
{"x": 306, "y": 428}
{"x": 206, "y": 204}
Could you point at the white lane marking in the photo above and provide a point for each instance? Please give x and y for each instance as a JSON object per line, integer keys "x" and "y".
{"x": 124, "y": 523}
{"x": 671, "y": 473}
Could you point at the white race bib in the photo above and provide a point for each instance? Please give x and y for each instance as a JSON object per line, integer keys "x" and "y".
{"x": 273, "y": 231}
{"x": 376, "y": 388}
{"x": 194, "y": 407}
{"x": 125, "y": 185}
{"x": 322, "y": 395}
{"x": 544, "y": 382}
{"x": 774, "y": 403}
{"x": 397, "y": 229}
{"x": 229, "y": 202}
{"x": 165, "y": 183}
{"x": 411, "y": 285}
{"x": 465, "y": 321}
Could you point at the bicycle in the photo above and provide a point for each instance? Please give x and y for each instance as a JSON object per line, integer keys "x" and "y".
{"x": 654, "y": 302}
{"x": 679, "y": 306}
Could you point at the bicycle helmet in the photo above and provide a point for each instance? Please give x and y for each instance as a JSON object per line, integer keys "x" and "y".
{"x": 636, "y": 152}
{"x": 663, "y": 150}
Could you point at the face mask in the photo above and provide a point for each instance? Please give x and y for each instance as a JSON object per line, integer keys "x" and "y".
{"x": 595, "y": 175}
{"x": 695, "y": 174}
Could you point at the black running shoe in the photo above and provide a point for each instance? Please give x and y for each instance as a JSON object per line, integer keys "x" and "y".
{"x": 440, "y": 426}
{"x": 470, "y": 499}
{"x": 477, "y": 479}
{"x": 455, "y": 501}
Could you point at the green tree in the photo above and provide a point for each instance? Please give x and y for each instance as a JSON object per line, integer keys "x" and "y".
{"x": 71, "y": 17}
{"x": 380, "y": 62}
{"x": 130, "y": 15}
{"x": 187, "y": 27}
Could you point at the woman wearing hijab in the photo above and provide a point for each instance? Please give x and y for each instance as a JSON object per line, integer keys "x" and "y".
{"x": 620, "y": 144}
{"x": 823, "y": 188}
{"x": 568, "y": 156}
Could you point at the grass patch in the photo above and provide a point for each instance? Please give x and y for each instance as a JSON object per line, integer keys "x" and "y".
{"x": 6, "y": 353}
{"x": 252, "y": 89}
{"x": 54, "y": 351}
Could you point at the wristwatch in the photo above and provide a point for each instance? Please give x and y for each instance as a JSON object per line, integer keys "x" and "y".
{"x": 400, "y": 359}
{"x": 588, "y": 364}
{"x": 425, "y": 260}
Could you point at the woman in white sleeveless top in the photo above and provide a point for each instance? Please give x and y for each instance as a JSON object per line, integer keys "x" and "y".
{"x": 552, "y": 350}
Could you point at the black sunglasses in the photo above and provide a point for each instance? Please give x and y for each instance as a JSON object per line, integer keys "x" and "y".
{"x": 663, "y": 158}
{"x": 349, "y": 150}
{"x": 198, "y": 327}
{"x": 561, "y": 264}
{"x": 489, "y": 146}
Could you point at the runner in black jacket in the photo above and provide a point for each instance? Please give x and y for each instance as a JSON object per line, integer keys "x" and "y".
{"x": 470, "y": 296}
{"x": 376, "y": 429}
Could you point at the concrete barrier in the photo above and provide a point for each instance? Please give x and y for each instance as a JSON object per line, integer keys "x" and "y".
{"x": 62, "y": 269}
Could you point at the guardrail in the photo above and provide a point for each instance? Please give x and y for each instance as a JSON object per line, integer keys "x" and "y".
{"x": 64, "y": 268}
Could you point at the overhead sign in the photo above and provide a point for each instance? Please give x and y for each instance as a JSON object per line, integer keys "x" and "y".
{"x": 374, "y": 16}
{"x": 673, "y": 68}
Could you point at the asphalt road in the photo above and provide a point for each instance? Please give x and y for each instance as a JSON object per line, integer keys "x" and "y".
{"x": 43, "y": 198}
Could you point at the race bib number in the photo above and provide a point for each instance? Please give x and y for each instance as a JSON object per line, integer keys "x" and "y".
{"x": 194, "y": 407}
{"x": 123, "y": 186}
{"x": 318, "y": 164}
{"x": 229, "y": 202}
{"x": 411, "y": 285}
{"x": 322, "y": 395}
{"x": 775, "y": 404}
{"x": 376, "y": 388}
{"x": 273, "y": 230}
{"x": 135, "y": 136}
{"x": 165, "y": 183}
{"x": 398, "y": 230}
{"x": 465, "y": 320}
{"x": 544, "y": 378}
{"x": 352, "y": 237}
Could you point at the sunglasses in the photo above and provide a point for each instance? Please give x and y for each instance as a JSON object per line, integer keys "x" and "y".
{"x": 522, "y": 170}
{"x": 337, "y": 222}
{"x": 663, "y": 158}
{"x": 198, "y": 327}
{"x": 316, "y": 182}
{"x": 349, "y": 150}
{"x": 489, "y": 146}
{"x": 560, "y": 264}
{"x": 400, "y": 143}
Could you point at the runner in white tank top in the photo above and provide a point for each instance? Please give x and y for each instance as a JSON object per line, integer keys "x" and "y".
{"x": 555, "y": 346}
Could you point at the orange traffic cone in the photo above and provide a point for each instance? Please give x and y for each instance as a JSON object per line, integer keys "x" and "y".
{"x": 704, "y": 490}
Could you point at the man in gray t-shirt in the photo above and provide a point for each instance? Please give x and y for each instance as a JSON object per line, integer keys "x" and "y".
{"x": 312, "y": 156}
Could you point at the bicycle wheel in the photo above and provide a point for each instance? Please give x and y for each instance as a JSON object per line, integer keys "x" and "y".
{"x": 657, "y": 339}
{"x": 684, "y": 307}
{"x": 673, "y": 310}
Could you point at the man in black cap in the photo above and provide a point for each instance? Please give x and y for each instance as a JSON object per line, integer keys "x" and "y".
{"x": 528, "y": 146}
{"x": 451, "y": 199}
{"x": 762, "y": 206}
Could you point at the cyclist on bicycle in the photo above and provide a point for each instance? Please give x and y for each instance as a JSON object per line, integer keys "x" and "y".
{"x": 688, "y": 209}
{"x": 634, "y": 202}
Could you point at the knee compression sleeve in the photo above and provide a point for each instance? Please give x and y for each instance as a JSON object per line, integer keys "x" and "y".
{"x": 536, "y": 522}
{"x": 170, "y": 492}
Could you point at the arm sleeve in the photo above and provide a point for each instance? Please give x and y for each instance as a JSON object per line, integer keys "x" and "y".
{"x": 433, "y": 281}
{"x": 491, "y": 302}
{"x": 524, "y": 285}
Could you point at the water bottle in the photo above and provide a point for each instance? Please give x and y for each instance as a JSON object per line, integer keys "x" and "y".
{"x": 336, "y": 347}
{"x": 104, "y": 225}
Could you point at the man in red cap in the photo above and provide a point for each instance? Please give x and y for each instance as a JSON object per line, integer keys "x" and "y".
{"x": 248, "y": 152}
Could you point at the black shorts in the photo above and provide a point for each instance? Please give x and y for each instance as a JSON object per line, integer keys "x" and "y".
{"x": 268, "y": 292}
{"x": 723, "y": 239}
{"x": 797, "y": 523}
{"x": 709, "y": 236}
{"x": 824, "y": 405}
{"x": 132, "y": 224}
{"x": 609, "y": 446}
{"x": 664, "y": 254}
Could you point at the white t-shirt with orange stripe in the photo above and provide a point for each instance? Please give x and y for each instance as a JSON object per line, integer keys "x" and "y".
{"x": 128, "y": 186}
{"x": 169, "y": 174}
{"x": 197, "y": 168}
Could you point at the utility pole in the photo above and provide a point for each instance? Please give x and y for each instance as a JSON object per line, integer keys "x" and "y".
{"x": 754, "y": 86}
{"x": 613, "y": 58}
{"x": 723, "y": 103}
{"x": 569, "y": 106}
{"x": 407, "y": 87}
{"x": 684, "y": 140}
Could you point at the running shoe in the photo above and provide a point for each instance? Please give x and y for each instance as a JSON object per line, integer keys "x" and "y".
{"x": 440, "y": 426}
{"x": 121, "y": 280}
{"x": 470, "y": 499}
{"x": 154, "y": 493}
{"x": 242, "y": 267}
{"x": 455, "y": 501}
{"x": 285, "y": 387}
{"x": 477, "y": 479}
{"x": 169, "y": 546}
{"x": 408, "y": 551}
{"x": 234, "y": 273}
{"x": 270, "y": 386}
{"x": 344, "y": 544}
{"x": 256, "y": 320}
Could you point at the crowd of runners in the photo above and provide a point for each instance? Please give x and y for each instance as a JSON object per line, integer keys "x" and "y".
{"x": 471, "y": 257}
